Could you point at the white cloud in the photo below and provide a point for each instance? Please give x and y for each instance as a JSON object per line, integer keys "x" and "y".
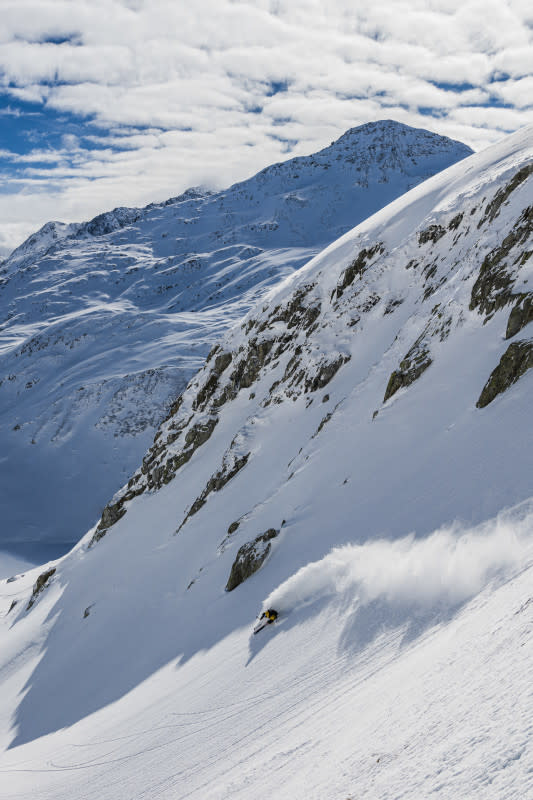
{"x": 174, "y": 84}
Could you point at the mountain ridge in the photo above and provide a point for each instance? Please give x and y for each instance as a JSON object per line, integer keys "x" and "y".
{"x": 396, "y": 545}
{"x": 106, "y": 321}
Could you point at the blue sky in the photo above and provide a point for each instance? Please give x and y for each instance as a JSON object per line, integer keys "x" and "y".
{"x": 124, "y": 102}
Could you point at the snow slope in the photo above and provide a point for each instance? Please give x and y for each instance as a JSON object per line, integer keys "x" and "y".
{"x": 336, "y": 706}
{"x": 104, "y": 323}
{"x": 398, "y": 546}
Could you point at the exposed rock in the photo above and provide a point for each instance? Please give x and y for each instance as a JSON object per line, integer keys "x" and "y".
{"x": 521, "y": 315}
{"x": 392, "y": 305}
{"x": 110, "y": 515}
{"x": 173, "y": 410}
{"x": 358, "y": 266}
{"x": 493, "y": 287}
{"x": 250, "y": 557}
{"x": 233, "y": 527}
{"x": 516, "y": 360}
{"x": 493, "y": 208}
{"x": 12, "y": 606}
{"x": 246, "y": 371}
{"x": 40, "y": 585}
{"x": 157, "y": 475}
{"x": 326, "y": 372}
{"x": 196, "y": 436}
{"x": 431, "y": 234}
{"x": 411, "y": 368}
{"x": 222, "y": 361}
{"x": 455, "y": 222}
{"x": 296, "y": 314}
{"x": 323, "y": 422}
{"x": 230, "y": 467}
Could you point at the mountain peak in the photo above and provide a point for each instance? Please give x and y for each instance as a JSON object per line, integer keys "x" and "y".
{"x": 391, "y": 134}
{"x": 162, "y": 283}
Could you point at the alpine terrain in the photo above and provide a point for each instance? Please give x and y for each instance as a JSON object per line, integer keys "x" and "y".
{"x": 355, "y": 455}
{"x": 104, "y": 323}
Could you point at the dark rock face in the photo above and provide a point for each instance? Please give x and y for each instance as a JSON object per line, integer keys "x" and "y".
{"x": 111, "y": 514}
{"x": 40, "y": 585}
{"x": 358, "y": 266}
{"x": 325, "y": 373}
{"x": 411, "y": 368}
{"x": 217, "y": 482}
{"x": 208, "y": 389}
{"x": 195, "y": 437}
{"x": 455, "y": 222}
{"x": 246, "y": 371}
{"x": 493, "y": 208}
{"x": 520, "y": 316}
{"x": 516, "y": 360}
{"x": 493, "y": 288}
{"x": 250, "y": 557}
{"x": 431, "y": 234}
{"x": 295, "y": 314}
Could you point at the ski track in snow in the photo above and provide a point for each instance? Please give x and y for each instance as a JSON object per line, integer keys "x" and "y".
{"x": 401, "y": 721}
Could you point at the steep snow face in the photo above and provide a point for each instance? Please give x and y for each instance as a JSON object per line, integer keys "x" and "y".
{"x": 103, "y": 323}
{"x": 397, "y": 545}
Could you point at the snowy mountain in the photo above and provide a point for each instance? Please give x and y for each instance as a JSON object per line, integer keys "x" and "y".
{"x": 356, "y": 453}
{"x": 104, "y": 323}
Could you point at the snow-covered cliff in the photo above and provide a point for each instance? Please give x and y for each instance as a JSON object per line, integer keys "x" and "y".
{"x": 356, "y": 453}
{"x": 104, "y": 323}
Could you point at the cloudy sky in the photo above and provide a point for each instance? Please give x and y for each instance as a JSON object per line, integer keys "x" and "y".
{"x": 124, "y": 102}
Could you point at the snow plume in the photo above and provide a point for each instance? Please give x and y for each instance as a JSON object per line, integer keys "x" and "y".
{"x": 448, "y": 567}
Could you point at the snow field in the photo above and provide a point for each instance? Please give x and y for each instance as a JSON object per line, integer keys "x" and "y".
{"x": 400, "y": 665}
{"x": 315, "y": 709}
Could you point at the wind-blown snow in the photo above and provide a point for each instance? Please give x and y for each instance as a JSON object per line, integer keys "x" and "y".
{"x": 402, "y": 669}
{"x": 444, "y": 569}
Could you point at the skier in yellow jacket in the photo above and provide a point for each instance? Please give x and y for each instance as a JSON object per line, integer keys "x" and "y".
{"x": 267, "y": 618}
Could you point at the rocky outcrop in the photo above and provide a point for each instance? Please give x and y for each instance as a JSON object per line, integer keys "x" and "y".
{"x": 431, "y": 234}
{"x": 516, "y": 360}
{"x": 231, "y": 465}
{"x": 493, "y": 288}
{"x": 520, "y": 316}
{"x": 110, "y": 515}
{"x": 358, "y": 267}
{"x": 221, "y": 362}
{"x": 296, "y": 313}
{"x": 246, "y": 371}
{"x": 411, "y": 368}
{"x": 455, "y": 221}
{"x": 325, "y": 372}
{"x": 250, "y": 557}
{"x": 197, "y": 435}
{"x": 40, "y": 585}
{"x": 501, "y": 196}
{"x": 288, "y": 342}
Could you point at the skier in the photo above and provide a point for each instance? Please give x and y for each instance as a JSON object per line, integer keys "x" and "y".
{"x": 266, "y": 618}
